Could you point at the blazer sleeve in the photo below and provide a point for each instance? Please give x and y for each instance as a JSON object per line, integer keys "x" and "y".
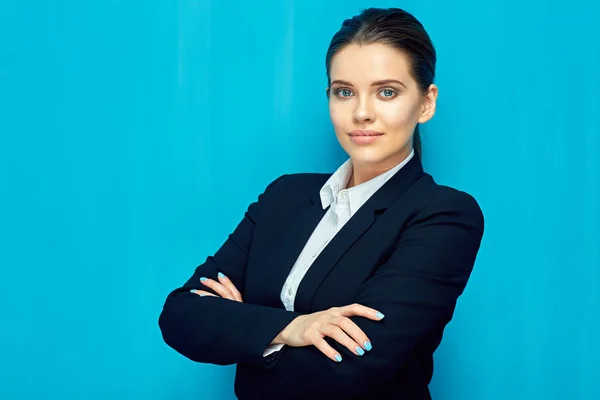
{"x": 416, "y": 288}
{"x": 220, "y": 331}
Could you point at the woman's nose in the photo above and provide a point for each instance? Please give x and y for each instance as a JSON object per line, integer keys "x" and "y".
{"x": 363, "y": 112}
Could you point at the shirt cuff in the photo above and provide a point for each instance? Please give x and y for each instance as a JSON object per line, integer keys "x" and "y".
{"x": 272, "y": 349}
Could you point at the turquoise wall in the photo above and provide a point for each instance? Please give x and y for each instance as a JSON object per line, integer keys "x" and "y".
{"x": 134, "y": 134}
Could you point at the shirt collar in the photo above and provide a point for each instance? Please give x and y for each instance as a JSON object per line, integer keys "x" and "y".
{"x": 358, "y": 194}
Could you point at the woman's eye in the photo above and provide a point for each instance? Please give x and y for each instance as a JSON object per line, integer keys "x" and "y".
{"x": 344, "y": 92}
{"x": 388, "y": 93}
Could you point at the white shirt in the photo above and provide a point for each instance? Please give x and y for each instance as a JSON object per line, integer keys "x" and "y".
{"x": 344, "y": 204}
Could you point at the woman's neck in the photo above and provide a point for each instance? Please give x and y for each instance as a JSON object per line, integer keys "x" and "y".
{"x": 362, "y": 173}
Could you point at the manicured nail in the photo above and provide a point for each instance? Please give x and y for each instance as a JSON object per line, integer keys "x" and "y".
{"x": 338, "y": 358}
{"x": 202, "y": 279}
{"x": 380, "y": 315}
{"x": 368, "y": 346}
{"x": 202, "y": 295}
{"x": 221, "y": 275}
{"x": 359, "y": 350}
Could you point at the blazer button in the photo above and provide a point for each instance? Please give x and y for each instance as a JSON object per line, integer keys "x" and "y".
{"x": 290, "y": 291}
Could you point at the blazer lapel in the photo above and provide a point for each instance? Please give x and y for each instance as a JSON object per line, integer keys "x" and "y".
{"x": 350, "y": 233}
{"x": 301, "y": 228}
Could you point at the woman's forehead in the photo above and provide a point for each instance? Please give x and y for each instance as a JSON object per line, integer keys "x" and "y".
{"x": 369, "y": 63}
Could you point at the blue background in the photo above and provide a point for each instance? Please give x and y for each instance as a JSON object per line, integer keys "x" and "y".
{"x": 133, "y": 135}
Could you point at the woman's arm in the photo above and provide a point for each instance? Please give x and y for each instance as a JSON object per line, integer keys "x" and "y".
{"x": 416, "y": 289}
{"x": 220, "y": 331}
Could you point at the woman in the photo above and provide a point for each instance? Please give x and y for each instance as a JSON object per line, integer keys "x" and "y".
{"x": 339, "y": 286}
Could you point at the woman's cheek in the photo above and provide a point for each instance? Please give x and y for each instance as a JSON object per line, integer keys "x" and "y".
{"x": 337, "y": 113}
{"x": 395, "y": 114}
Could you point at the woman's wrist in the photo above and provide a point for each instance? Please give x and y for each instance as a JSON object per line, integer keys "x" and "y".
{"x": 281, "y": 338}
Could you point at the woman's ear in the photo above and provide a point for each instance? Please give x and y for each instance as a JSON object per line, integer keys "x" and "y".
{"x": 429, "y": 104}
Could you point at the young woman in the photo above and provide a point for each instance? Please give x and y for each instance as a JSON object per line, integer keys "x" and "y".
{"x": 339, "y": 286}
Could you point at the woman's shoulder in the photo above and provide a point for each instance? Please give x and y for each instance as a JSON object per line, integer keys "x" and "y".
{"x": 443, "y": 199}
{"x": 437, "y": 191}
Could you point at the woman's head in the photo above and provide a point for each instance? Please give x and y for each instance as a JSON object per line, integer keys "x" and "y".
{"x": 380, "y": 72}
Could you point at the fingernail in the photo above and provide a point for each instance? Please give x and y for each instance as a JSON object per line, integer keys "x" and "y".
{"x": 202, "y": 295}
{"x": 221, "y": 275}
{"x": 380, "y": 315}
{"x": 368, "y": 346}
{"x": 338, "y": 358}
{"x": 359, "y": 350}
{"x": 202, "y": 279}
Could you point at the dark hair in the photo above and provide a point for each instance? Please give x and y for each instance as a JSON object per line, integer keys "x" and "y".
{"x": 397, "y": 28}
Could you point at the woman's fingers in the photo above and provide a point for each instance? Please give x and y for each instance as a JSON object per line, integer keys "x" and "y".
{"x": 229, "y": 285}
{"x": 202, "y": 293}
{"x": 217, "y": 287}
{"x": 360, "y": 310}
{"x": 355, "y": 339}
{"x": 340, "y": 336}
{"x": 224, "y": 287}
{"x": 326, "y": 349}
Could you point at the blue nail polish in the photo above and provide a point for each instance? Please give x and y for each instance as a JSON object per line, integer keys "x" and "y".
{"x": 338, "y": 358}
{"x": 221, "y": 275}
{"x": 380, "y": 315}
{"x": 368, "y": 346}
{"x": 359, "y": 350}
{"x": 202, "y": 279}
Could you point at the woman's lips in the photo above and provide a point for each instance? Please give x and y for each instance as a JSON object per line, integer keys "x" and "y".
{"x": 364, "y": 136}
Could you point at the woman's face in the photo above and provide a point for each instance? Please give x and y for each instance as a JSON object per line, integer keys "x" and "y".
{"x": 375, "y": 104}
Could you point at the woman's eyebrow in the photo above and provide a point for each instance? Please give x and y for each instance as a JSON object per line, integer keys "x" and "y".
{"x": 387, "y": 81}
{"x": 378, "y": 83}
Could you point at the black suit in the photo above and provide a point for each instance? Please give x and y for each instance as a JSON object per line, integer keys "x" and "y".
{"x": 407, "y": 252}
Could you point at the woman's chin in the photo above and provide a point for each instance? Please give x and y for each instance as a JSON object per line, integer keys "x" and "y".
{"x": 366, "y": 158}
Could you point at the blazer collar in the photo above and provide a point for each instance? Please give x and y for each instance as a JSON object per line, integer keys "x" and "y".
{"x": 393, "y": 188}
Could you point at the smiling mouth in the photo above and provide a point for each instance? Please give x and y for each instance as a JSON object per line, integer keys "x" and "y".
{"x": 365, "y": 138}
{"x": 361, "y": 132}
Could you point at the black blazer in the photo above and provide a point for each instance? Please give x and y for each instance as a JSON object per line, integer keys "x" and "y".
{"x": 407, "y": 252}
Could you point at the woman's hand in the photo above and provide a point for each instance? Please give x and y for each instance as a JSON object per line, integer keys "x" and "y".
{"x": 225, "y": 288}
{"x": 335, "y": 323}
